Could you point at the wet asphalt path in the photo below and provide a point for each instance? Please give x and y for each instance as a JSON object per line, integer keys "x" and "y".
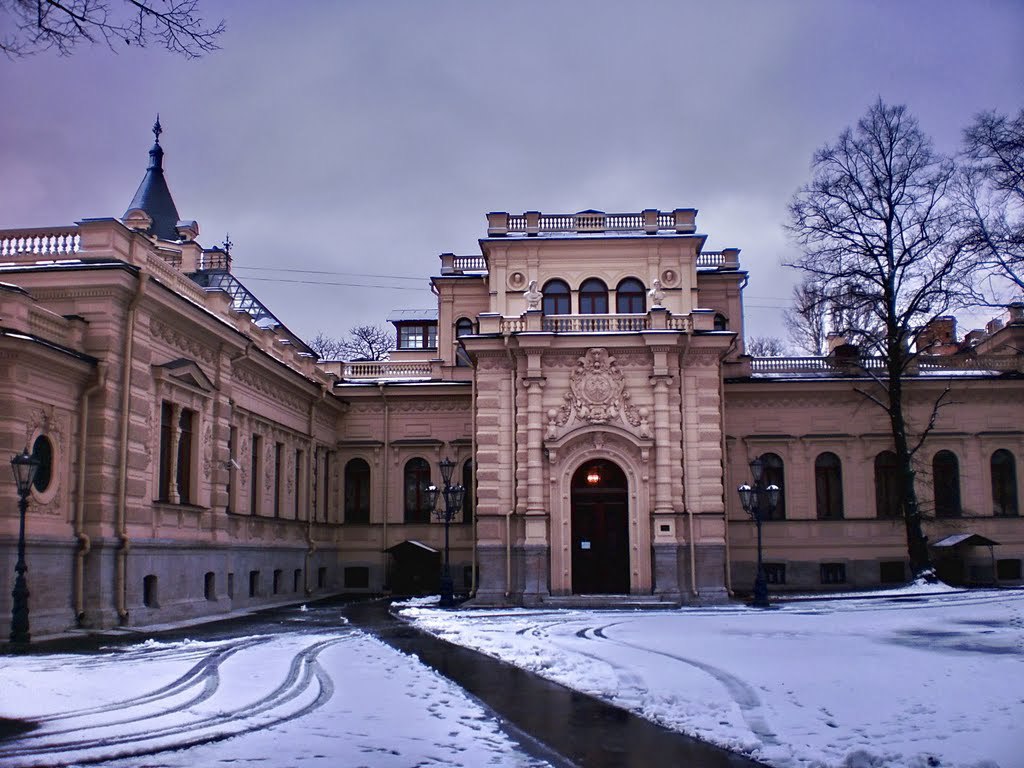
{"x": 581, "y": 730}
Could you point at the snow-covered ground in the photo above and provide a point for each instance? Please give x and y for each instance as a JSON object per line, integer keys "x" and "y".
{"x": 308, "y": 697}
{"x": 920, "y": 678}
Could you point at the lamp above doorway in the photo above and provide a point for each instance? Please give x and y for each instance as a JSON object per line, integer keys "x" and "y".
{"x": 593, "y": 475}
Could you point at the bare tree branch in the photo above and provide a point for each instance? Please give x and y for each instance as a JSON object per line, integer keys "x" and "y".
{"x": 34, "y": 26}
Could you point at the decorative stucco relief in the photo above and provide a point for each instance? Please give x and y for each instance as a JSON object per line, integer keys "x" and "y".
{"x": 207, "y": 450}
{"x": 597, "y": 395}
{"x": 260, "y": 384}
{"x": 45, "y": 421}
{"x": 180, "y": 341}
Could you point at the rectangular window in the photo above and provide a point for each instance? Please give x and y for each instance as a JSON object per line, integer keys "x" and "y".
{"x": 297, "y": 585}
{"x": 1008, "y": 570}
{"x": 278, "y": 454}
{"x": 278, "y": 581}
{"x": 327, "y": 486}
{"x": 255, "y": 475}
{"x": 254, "y": 583}
{"x": 833, "y": 573}
{"x": 892, "y": 572}
{"x": 232, "y": 468}
{"x": 231, "y": 586}
{"x": 357, "y": 577}
{"x": 321, "y": 578}
{"x": 166, "y": 430}
{"x": 417, "y": 336}
{"x": 775, "y": 573}
{"x": 186, "y": 426}
{"x": 297, "y": 498}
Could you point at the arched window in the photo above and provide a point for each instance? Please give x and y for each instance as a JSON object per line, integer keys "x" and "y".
{"x": 721, "y": 322}
{"x": 828, "y": 486}
{"x": 888, "y": 488}
{"x": 557, "y": 299}
{"x": 630, "y": 297}
{"x": 417, "y": 478}
{"x": 775, "y": 474}
{"x": 469, "y": 483}
{"x": 1004, "y": 484}
{"x": 357, "y": 491}
{"x": 463, "y": 327}
{"x": 593, "y": 297}
{"x": 946, "y": 484}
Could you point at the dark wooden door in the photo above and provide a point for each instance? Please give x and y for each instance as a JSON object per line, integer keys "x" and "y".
{"x": 600, "y": 532}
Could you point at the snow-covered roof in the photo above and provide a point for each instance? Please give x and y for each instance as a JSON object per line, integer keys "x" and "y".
{"x": 405, "y": 315}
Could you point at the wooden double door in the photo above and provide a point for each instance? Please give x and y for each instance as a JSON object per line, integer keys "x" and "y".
{"x": 600, "y": 530}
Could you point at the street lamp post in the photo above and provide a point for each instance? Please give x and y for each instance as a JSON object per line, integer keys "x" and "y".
{"x": 453, "y": 496}
{"x": 24, "y": 465}
{"x": 759, "y": 501}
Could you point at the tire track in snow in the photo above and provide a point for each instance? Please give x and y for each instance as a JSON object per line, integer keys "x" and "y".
{"x": 745, "y": 696}
{"x": 304, "y": 670}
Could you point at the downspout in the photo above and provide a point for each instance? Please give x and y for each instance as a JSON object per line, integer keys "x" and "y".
{"x": 121, "y": 525}
{"x": 515, "y": 469}
{"x": 725, "y": 466}
{"x": 84, "y": 543}
{"x": 384, "y": 493}
{"x": 310, "y": 461}
{"x": 686, "y": 502}
{"x": 472, "y": 481}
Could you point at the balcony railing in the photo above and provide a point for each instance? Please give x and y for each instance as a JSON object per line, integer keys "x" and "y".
{"x": 624, "y": 323}
{"x": 39, "y": 242}
{"x": 594, "y": 323}
{"x": 924, "y": 364}
{"x": 681, "y": 220}
{"x": 387, "y": 369}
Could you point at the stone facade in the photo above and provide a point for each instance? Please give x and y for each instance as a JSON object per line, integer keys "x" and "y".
{"x": 584, "y": 372}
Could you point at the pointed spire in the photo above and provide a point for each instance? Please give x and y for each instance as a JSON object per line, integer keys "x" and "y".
{"x": 153, "y": 196}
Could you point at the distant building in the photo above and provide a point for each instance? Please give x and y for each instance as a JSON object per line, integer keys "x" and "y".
{"x": 586, "y": 373}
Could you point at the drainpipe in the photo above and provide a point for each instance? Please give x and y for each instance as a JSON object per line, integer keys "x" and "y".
{"x": 472, "y": 480}
{"x": 515, "y": 469}
{"x": 686, "y": 503}
{"x": 725, "y": 466}
{"x": 384, "y": 493}
{"x": 311, "y": 546}
{"x": 84, "y": 543}
{"x": 121, "y": 585}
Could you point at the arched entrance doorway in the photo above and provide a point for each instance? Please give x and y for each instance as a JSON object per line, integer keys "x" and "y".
{"x": 600, "y": 529}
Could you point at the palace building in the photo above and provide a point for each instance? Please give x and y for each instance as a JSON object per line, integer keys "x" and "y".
{"x": 585, "y": 372}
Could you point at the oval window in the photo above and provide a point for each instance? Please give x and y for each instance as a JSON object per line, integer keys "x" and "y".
{"x": 42, "y": 451}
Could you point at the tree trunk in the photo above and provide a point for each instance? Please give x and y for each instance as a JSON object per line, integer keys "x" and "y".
{"x": 917, "y": 542}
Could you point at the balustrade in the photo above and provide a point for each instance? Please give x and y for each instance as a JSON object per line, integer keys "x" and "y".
{"x": 39, "y": 242}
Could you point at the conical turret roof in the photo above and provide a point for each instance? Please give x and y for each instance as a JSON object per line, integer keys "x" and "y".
{"x": 153, "y": 196}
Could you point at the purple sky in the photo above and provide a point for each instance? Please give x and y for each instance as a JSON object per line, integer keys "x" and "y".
{"x": 368, "y": 137}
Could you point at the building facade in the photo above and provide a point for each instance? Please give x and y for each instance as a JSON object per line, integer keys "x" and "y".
{"x": 585, "y": 372}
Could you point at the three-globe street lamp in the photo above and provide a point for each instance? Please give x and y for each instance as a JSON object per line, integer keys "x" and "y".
{"x": 759, "y": 502}
{"x": 24, "y": 465}
{"x": 453, "y": 496}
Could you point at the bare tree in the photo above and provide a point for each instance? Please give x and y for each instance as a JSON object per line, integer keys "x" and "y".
{"x": 819, "y": 312}
{"x": 876, "y": 227}
{"x": 326, "y": 347}
{"x": 364, "y": 342}
{"x": 806, "y": 319}
{"x": 33, "y": 26}
{"x": 765, "y": 346}
{"x": 991, "y": 198}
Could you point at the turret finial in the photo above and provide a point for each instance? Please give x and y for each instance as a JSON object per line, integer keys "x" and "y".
{"x": 157, "y": 130}
{"x": 227, "y": 244}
